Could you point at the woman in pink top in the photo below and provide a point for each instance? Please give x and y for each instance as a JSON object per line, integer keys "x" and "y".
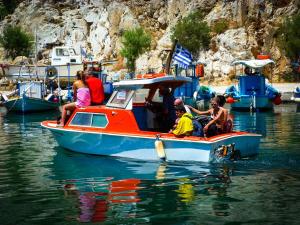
{"x": 82, "y": 97}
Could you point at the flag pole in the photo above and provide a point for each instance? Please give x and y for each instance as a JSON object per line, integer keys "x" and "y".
{"x": 170, "y": 56}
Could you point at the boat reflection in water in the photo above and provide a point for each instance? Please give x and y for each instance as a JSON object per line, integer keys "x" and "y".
{"x": 252, "y": 122}
{"x": 108, "y": 189}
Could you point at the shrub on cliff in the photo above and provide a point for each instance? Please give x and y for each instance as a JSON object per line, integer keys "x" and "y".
{"x": 135, "y": 42}
{"x": 220, "y": 26}
{"x": 192, "y": 32}
{"x": 289, "y": 34}
{"x": 16, "y": 42}
{"x": 7, "y": 7}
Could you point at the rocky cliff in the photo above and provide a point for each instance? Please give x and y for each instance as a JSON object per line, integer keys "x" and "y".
{"x": 97, "y": 25}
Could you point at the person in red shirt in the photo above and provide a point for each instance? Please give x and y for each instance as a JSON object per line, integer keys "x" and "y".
{"x": 96, "y": 88}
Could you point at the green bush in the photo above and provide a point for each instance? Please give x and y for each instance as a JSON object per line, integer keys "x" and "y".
{"x": 289, "y": 36}
{"x": 220, "y": 26}
{"x": 16, "y": 42}
{"x": 135, "y": 42}
{"x": 192, "y": 32}
{"x": 7, "y": 7}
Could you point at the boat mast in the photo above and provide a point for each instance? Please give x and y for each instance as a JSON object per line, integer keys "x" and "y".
{"x": 35, "y": 51}
{"x": 170, "y": 56}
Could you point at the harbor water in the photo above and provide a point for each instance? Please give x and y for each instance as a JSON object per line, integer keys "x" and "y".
{"x": 41, "y": 183}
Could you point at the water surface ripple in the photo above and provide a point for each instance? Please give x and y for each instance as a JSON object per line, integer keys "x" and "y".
{"x": 41, "y": 183}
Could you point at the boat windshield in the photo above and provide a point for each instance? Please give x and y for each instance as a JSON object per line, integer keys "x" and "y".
{"x": 120, "y": 98}
{"x": 72, "y": 51}
{"x": 62, "y": 52}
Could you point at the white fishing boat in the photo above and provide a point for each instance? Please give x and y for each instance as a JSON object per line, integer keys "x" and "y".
{"x": 64, "y": 62}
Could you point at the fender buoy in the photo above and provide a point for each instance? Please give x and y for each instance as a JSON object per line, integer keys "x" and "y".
{"x": 51, "y": 72}
{"x": 277, "y": 100}
{"x": 261, "y": 56}
{"x": 230, "y": 100}
{"x": 199, "y": 70}
{"x": 159, "y": 147}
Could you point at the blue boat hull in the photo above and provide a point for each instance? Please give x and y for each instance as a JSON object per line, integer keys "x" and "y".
{"x": 245, "y": 102}
{"x": 26, "y": 104}
{"x": 296, "y": 95}
{"x": 139, "y": 147}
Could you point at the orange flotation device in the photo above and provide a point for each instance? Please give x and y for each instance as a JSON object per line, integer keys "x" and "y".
{"x": 230, "y": 100}
{"x": 199, "y": 70}
{"x": 263, "y": 56}
{"x": 150, "y": 75}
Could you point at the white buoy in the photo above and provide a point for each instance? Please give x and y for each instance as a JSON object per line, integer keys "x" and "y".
{"x": 159, "y": 147}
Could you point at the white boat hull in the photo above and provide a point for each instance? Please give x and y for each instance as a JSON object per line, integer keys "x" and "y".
{"x": 31, "y": 71}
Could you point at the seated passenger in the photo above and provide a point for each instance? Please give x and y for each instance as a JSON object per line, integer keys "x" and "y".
{"x": 184, "y": 127}
{"x": 217, "y": 114}
{"x": 228, "y": 125}
{"x": 179, "y": 102}
{"x": 82, "y": 97}
{"x": 165, "y": 112}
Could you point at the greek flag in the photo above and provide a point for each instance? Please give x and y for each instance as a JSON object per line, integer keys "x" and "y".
{"x": 182, "y": 56}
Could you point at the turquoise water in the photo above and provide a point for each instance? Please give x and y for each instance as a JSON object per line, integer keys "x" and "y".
{"x": 41, "y": 183}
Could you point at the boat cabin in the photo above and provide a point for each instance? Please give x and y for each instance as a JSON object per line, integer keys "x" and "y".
{"x": 64, "y": 55}
{"x": 127, "y": 106}
{"x": 32, "y": 89}
{"x": 132, "y": 95}
{"x": 252, "y": 81}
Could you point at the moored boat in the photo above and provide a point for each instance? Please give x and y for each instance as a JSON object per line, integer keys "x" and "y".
{"x": 30, "y": 98}
{"x": 64, "y": 62}
{"x": 296, "y": 95}
{"x": 125, "y": 127}
{"x": 253, "y": 91}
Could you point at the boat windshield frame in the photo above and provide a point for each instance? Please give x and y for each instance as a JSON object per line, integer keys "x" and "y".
{"x": 120, "y": 98}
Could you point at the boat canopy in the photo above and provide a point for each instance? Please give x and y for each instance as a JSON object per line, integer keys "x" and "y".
{"x": 169, "y": 81}
{"x": 254, "y": 63}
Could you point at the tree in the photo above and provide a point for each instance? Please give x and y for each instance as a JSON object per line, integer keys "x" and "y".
{"x": 290, "y": 37}
{"x": 15, "y": 41}
{"x": 135, "y": 42}
{"x": 192, "y": 32}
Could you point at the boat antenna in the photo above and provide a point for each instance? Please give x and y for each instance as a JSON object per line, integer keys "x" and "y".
{"x": 35, "y": 52}
{"x": 170, "y": 56}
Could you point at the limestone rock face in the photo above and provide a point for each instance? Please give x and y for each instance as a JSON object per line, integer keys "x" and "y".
{"x": 98, "y": 25}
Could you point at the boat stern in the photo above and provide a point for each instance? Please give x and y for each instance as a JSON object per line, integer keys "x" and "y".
{"x": 234, "y": 146}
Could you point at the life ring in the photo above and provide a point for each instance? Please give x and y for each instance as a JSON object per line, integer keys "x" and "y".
{"x": 263, "y": 56}
{"x": 51, "y": 72}
{"x": 199, "y": 70}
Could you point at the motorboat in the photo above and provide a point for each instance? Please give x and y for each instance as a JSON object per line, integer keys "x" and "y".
{"x": 253, "y": 91}
{"x": 125, "y": 127}
{"x": 64, "y": 61}
{"x": 296, "y": 95}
